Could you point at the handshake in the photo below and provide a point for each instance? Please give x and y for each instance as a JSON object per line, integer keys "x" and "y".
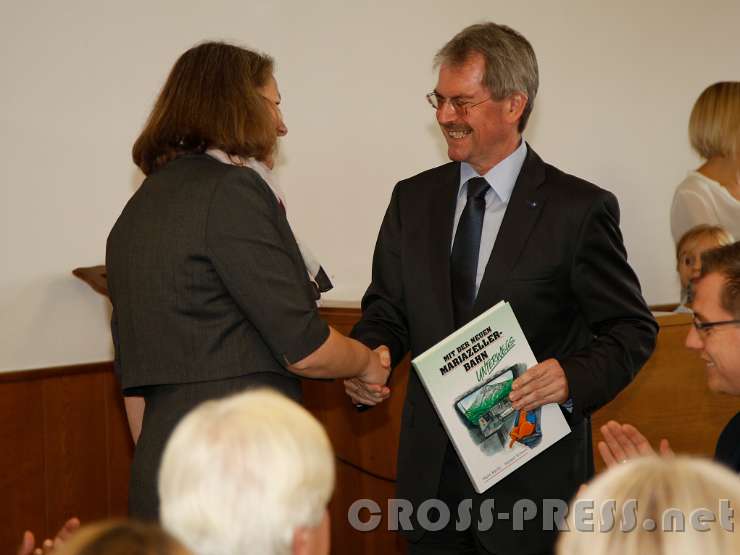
{"x": 369, "y": 387}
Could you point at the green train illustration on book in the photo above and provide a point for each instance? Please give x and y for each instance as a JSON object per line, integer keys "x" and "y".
{"x": 487, "y": 411}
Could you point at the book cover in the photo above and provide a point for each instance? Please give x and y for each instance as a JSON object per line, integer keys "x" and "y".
{"x": 468, "y": 376}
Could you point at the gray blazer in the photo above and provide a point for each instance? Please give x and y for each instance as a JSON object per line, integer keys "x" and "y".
{"x": 206, "y": 279}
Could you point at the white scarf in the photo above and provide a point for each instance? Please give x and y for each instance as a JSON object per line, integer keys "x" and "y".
{"x": 319, "y": 279}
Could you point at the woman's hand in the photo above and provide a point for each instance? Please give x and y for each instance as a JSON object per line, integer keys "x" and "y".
{"x": 369, "y": 387}
{"x": 28, "y": 543}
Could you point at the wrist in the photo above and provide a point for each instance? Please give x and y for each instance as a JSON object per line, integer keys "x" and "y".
{"x": 365, "y": 360}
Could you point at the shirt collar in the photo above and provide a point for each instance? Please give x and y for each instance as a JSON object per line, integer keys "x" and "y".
{"x": 501, "y": 177}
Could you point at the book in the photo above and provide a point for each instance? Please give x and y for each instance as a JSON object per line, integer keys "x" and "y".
{"x": 468, "y": 376}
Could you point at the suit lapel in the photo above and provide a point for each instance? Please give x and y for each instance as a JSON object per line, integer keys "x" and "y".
{"x": 525, "y": 205}
{"x": 442, "y": 217}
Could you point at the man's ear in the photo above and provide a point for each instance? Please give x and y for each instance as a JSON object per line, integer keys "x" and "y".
{"x": 312, "y": 540}
{"x": 515, "y": 105}
{"x": 300, "y": 542}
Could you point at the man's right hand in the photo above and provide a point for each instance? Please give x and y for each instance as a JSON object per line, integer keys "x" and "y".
{"x": 624, "y": 441}
{"x": 369, "y": 387}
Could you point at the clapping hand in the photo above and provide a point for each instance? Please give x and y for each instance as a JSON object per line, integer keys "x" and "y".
{"x": 28, "y": 544}
{"x": 369, "y": 387}
{"x": 624, "y": 441}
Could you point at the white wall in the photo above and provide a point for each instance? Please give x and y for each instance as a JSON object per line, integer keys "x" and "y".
{"x": 78, "y": 78}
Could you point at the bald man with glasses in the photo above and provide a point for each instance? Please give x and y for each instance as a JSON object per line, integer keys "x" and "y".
{"x": 715, "y": 335}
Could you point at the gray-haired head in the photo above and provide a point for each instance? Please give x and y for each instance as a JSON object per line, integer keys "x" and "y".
{"x": 511, "y": 65}
{"x": 246, "y": 474}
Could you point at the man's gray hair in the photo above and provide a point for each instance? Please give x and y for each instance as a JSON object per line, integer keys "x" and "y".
{"x": 511, "y": 65}
{"x": 241, "y": 474}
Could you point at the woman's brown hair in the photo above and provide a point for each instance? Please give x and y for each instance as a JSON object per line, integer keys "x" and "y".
{"x": 210, "y": 100}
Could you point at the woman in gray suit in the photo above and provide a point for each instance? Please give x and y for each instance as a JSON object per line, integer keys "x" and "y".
{"x": 211, "y": 291}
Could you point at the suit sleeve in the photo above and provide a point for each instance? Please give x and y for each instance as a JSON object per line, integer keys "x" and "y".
{"x": 609, "y": 297}
{"x": 384, "y": 320}
{"x": 253, "y": 259}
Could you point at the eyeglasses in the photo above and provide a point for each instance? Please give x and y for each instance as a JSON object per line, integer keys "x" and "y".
{"x": 461, "y": 107}
{"x": 705, "y": 328}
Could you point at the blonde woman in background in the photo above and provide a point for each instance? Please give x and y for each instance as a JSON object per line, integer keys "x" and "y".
{"x": 711, "y": 194}
{"x": 663, "y": 488}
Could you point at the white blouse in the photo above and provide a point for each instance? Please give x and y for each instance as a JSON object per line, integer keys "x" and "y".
{"x": 700, "y": 200}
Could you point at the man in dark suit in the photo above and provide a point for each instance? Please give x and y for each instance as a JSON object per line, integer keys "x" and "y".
{"x": 716, "y": 337}
{"x": 500, "y": 224}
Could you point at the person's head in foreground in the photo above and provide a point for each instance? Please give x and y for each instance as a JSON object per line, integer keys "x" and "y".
{"x": 122, "y": 537}
{"x": 716, "y": 332}
{"x": 689, "y": 249}
{"x": 660, "y": 506}
{"x": 714, "y": 125}
{"x": 251, "y": 473}
{"x": 217, "y": 96}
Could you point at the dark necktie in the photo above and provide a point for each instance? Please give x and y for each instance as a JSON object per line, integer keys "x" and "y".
{"x": 465, "y": 249}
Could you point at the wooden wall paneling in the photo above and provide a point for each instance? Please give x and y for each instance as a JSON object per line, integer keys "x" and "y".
{"x": 670, "y": 398}
{"x": 353, "y": 484}
{"x": 365, "y": 444}
{"x": 65, "y": 446}
{"x": 119, "y": 447}
{"x": 366, "y": 439}
{"x": 22, "y": 462}
{"x": 75, "y": 447}
{"x": 341, "y": 318}
{"x": 322, "y": 397}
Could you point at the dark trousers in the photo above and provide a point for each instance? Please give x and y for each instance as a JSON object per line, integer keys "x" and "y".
{"x": 454, "y": 487}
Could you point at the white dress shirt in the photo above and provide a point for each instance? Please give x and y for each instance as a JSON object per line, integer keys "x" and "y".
{"x": 502, "y": 178}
